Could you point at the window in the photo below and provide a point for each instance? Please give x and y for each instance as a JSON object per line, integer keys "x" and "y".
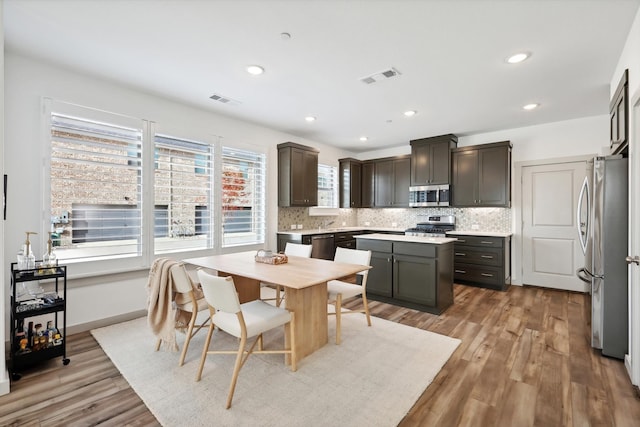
{"x": 95, "y": 188}
{"x": 243, "y": 197}
{"x": 183, "y": 182}
{"x": 327, "y": 186}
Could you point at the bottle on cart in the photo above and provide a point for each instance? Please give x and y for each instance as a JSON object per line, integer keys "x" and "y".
{"x": 49, "y": 259}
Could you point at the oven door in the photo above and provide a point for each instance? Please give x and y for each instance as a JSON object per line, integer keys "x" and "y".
{"x": 423, "y": 196}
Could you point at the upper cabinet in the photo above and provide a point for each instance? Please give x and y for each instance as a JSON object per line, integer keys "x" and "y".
{"x": 297, "y": 175}
{"x": 431, "y": 159}
{"x": 391, "y": 182}
{"x": 619, "y": 116}
{"x": 481, "y": 175}
{"x": 350, "y": 183}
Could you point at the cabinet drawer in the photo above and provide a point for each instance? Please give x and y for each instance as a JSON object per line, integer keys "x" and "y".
{"x": 481, "y": 241}
{"x": 478, "y": 274}
{"x": 417, "y": 249}
{"x": 375, "y": 245}
{"x": 474, "y": 255}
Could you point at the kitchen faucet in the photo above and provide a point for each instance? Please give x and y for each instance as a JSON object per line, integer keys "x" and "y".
{"x": 326, "y": 224}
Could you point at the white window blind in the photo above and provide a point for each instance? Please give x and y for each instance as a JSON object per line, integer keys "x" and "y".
{"x": 95, "y": 179}
{"x": 243, "y": 197}
{"x": 183, "y": 175}
{"x": 327, "y": 186}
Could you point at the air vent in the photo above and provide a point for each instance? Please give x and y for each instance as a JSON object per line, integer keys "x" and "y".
{"x": 224, "y": 99}
{"x": 382, "y": 75}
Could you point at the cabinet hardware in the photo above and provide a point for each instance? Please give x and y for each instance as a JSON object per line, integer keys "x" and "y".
{"x": 633, "y": 260}
{"x": 462, "y": 241}
{"x": 486, "y": 274}
{"x": 388, "y": 259}
{"x": 486, "y": 256}
{"x": 484, "y": 242}
{"x": 461, "y": 271}
{"x": 460, "y": 254}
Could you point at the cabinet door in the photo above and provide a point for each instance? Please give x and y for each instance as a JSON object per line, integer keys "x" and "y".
{"x": 414, "y": 279}
{"x": 367, "y": 185}
{"x": 383, "y": 177}
{"x": 420, "y": 164}
{"x": 401, "y": 178}
{"x": 464, "y": 178}
{"x": 440, "y": 163}
{"x": 310, "y": 177}
{"x": 380, "y": 277}
{"x": 298, "y": 176}
{"x": 493, "y": 176}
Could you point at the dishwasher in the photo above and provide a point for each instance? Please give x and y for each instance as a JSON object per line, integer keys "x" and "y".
{"x": 323, "y": 246}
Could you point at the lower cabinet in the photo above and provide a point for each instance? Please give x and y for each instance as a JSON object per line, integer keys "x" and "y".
{"x": 483, "y": 261}
{"x": 415, "y": 275}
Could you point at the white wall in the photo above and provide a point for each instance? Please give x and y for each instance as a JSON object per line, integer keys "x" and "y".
{"x": 27, "y": 81}
{"x": 4, "y": 379}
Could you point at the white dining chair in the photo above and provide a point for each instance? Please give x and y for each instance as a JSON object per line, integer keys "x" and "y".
{"x": 243, "y": 321}
{"x": 291, "y": 249}
{"x": 338, "y": 290}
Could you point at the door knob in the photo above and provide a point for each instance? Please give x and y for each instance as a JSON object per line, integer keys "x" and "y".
{"x": 633, "y": 259}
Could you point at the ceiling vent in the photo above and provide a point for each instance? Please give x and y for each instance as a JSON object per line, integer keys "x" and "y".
{"x": 381, "y": 75}
{"x": 224, "y": 99}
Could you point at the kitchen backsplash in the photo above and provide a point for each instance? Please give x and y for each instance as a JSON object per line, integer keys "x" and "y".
{"x": 486, "y": 219}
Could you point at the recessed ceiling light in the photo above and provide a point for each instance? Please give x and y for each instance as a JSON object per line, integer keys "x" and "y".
{"x": 410, "y": 113}
{"x": 364, "y": 138}
{"x": 255, "y": 70}
{"x": 518, "y": 57}
{"x": 531, "y": 106}
{"x": 310, "y": 119}
{"x": 285, "y": 36}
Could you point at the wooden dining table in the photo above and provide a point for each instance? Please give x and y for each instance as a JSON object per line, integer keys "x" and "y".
{"x": 305, "y": 280}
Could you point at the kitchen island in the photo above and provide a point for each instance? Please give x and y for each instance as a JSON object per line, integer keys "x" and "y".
{"x": 411, "y": 271}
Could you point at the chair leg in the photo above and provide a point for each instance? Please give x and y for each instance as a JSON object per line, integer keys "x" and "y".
{"x": 187, "y": 338}
{"x": 366, "y": 308}
{"x": 205, "y": 350}
{"x": 338, "y": 305}
{"x": 236, "y": 371}
{"x": 158, "y": 344}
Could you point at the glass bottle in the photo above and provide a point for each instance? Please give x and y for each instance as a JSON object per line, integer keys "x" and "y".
{"x": 49, "y": 259}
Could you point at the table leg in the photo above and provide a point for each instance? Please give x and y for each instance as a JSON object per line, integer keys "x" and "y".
{"x": 310, "y": 306}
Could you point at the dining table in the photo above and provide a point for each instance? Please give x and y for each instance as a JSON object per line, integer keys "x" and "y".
{"x": 305, "y": 282}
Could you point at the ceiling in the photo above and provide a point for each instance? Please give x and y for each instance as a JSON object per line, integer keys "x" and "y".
{"x": 450, "y": 55}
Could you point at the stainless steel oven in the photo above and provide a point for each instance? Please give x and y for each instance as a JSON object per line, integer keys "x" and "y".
{"x": 429, "y": 195}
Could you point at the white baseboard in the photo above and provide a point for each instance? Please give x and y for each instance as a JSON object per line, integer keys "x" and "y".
{"x": 4, "y": 383}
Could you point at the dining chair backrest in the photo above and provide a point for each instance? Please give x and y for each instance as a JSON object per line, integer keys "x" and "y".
{"x": 296, "y": 249}
{"x": 220, "y": 292}
{"x": 354, "y": 256}
{"x": 181, "y": 279}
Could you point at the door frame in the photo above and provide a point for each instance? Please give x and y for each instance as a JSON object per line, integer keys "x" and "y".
{"x": 518, "y": 224}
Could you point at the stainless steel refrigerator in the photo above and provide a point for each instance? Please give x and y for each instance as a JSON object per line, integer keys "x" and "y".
{"x": 602, "y": 220}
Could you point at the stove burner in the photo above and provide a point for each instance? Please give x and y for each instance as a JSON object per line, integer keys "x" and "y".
{"x": 435, "y": 226}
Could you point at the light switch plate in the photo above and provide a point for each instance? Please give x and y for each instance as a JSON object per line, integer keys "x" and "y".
{"x": 299, "y": 226}
{"x": 293, "y": 226}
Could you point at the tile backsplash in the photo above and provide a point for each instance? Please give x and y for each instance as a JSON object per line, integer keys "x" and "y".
{"x": 486, "y": 219}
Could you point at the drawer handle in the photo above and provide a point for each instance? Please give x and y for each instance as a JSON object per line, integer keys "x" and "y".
{"x": 461, "y": 271}
{"x": 460, "y": 254}
{"x": 485, "y": 242}
{"x": 486, "y": 256}
{"x": 486, "y": 274}
{"x": 462, "y": 241}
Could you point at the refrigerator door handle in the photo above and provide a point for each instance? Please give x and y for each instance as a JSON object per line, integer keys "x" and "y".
{"x": 583, "y": 234}
{"x": 582, "y": 275}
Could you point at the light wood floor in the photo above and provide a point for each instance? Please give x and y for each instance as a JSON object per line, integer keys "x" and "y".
{"x": 524, "y": 360}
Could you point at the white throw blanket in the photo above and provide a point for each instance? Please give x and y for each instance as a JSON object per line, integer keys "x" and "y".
{"x": 161, "y": 312}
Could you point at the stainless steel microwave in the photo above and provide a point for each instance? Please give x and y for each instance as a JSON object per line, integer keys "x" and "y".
{"x": 429, "y": 195}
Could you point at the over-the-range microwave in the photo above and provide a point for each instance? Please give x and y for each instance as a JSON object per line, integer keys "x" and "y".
{"x": 429, "y": 195}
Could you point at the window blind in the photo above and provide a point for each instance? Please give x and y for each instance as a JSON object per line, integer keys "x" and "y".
{"x": 327, "y": 186}
{"x": 243, "y": 197}
{"x": 183, "y": 179}
{"x": 95, "y": 176}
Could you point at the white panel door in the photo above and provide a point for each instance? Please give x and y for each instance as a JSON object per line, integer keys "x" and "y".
{"x": 551, "y": 250}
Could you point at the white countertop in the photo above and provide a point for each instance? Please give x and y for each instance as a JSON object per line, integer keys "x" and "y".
{"x": 308, "y": 231}
{"x": 479, "y": 233}
{"x": 412, "y": 239}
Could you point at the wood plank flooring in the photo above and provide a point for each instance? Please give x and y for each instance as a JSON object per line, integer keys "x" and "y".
{"x": 524, "y": 361}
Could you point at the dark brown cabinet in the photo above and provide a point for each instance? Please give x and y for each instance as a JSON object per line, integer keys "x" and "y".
{"x": 391, "y": 182}
{"x": 367, "y": 185}
{"x": 619, "y": 116}
{"x": 350, "y": 183}
{"x": 297, "y": 175}
{"x": 483, "y": 261}
{"x": 481, "y": 175}
{"x": 431, "y": 160}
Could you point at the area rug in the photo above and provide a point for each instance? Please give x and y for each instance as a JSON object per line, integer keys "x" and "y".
{"x": 372, "y": 378}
